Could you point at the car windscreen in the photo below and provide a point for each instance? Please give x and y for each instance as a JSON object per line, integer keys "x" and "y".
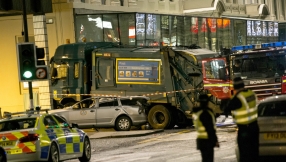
{"x": 17, "y": 124}
{"x": 272, "y": 109}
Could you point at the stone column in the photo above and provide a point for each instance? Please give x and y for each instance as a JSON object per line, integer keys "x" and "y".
{"x": 270, "y": 5}
{"x": 41, "y": 41}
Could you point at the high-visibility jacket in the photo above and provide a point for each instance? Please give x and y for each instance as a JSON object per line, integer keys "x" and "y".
{"x": 247, "y": 113}
{"x": 201, "y": 130}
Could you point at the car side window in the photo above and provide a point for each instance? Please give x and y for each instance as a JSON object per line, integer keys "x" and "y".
{"x": 129, "y": 102}
{"x": 76, "y": 106}
{"x": 49, "y": 121}
{"x": 61, "y": 121}
{"x": 272, "y": 109}
{"x": 112, "y": 102}
{"x": 87, "y": 103}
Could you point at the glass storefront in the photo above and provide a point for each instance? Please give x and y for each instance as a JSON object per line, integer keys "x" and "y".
{"x": 140, "y": 29}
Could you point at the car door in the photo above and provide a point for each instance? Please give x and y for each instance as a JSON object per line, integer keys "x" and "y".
{"x": 106, "y": 112}
{"x": 83, "y": 113}
{"x": 55, "y": 132}
{"x": 70, "y": 139}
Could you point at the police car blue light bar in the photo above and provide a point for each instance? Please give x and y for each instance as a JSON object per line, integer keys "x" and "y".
{"x": 263, "y": 45}
{"x": 246, "y": 47}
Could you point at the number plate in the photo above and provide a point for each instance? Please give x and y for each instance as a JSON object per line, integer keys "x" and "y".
{"x": 6, "y": 143}
{"x": 275, "y": 136}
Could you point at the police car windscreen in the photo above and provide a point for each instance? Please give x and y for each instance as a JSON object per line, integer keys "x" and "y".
{"x": 17, "y": 124}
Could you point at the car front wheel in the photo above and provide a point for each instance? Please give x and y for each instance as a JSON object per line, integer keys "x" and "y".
{"x": 86, "y": 151}
{"x": 123, "y": 123}
{"x": 54, "y": 153}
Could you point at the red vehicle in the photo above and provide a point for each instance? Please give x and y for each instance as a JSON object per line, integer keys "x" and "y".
{"x": 262, "y": 67}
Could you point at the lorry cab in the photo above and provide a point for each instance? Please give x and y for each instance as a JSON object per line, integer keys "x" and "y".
{"x": 261, "y": 66}
{"x": 70, "y": 71}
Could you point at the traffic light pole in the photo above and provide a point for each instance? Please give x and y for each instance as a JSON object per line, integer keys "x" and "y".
{"x": 26, "y": 36}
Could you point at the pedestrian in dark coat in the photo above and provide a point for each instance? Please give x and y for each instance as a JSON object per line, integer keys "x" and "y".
{"x": 244, "y": 111}
{"x": 204, "y": 120}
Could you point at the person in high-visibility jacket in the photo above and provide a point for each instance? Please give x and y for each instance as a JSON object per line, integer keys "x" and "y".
{"x": 204, "y": 121}
{"x": 244, "y": 111}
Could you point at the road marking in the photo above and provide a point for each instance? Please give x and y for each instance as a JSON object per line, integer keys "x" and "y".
{"x": 164, "y": 136}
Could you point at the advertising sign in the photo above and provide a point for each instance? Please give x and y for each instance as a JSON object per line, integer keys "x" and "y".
{"x": 134, "y": 71}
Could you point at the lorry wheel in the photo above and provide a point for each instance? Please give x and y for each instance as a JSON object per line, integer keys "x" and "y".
{"x": 181, "y": 120}
{"x": 172, "y": 122}
{"x": 159, "y": 117}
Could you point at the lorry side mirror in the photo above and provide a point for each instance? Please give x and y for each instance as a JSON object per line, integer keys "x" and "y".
{"x": 54, "y": 72}
{"x": 222, "y": 73}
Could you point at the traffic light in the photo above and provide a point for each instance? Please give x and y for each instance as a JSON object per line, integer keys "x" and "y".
{"x": 41, "y": 67}
{"x": 26, "y": 61}
{"x": 31, "y": 63}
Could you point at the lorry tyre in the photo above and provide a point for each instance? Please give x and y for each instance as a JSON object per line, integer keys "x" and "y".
{"x": 159, "y": 117}
{"x": 182, "y": 121}
{"x": 172, "y": 122}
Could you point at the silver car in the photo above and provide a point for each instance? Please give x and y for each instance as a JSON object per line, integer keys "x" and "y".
{"x": 272, "y": 125}
{"x": 119, "y": 113}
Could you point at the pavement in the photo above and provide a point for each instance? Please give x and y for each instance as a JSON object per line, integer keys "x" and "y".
{"x": 222, "y": 121}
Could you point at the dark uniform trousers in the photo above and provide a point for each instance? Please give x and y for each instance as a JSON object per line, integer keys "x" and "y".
{"x": 206, "y": 147}
{"x": 248, "y": 142}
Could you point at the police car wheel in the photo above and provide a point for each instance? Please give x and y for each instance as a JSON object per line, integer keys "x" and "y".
{"x": 54, "y": 153}
{"x": 86, "y": 151}
{"x": 123, "y": 123}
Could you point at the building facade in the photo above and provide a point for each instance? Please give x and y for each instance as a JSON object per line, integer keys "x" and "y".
{"x": 212, "y": 24}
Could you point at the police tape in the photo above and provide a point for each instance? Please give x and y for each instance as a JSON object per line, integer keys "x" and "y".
{"x": 115, "y": 95}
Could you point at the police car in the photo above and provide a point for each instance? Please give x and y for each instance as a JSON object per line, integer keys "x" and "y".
{"x": 36, "y": 136}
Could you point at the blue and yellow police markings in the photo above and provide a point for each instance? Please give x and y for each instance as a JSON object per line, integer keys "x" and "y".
{"x": 45, "y": 152}
{"x": 81, "y": 138}
{"x": 51, "y": 134}
{"x": 70, "y": 142}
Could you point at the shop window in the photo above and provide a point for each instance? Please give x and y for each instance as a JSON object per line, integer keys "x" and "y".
{"x": 127, "y": 29}
{"x": 152, "y": 30}
{"x": 140, "y": 29}
{"x": 240, "y": 32}
{"x": 187, "y": 35}
{"x": 194, "y": 30}
{"x": 169, "y": 30}
{"x": 89, "y": 28}
{"x": 110, "y": 28}
{"x": 202, "y": 33}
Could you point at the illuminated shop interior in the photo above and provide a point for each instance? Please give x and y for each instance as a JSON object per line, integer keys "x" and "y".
{"x": 141, "y": 29}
